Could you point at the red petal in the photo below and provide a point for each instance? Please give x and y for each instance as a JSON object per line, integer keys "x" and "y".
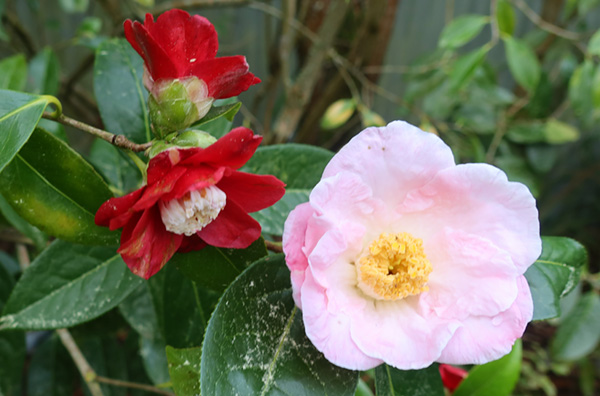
{"x": 226, "y": 77}
{"x": 452, "y": 376}
{"x": 194, "y": 179}
{"x": 232, "y": 150}
{"x": 252, "y": 192}
{"x": 158, "y": 61}
{"x": 191, "y": 243}
{"x": 115, "y": 212}
{"x": 187, "y": 39}
{"x": 161, "y": 187}
{"x": 146, "y": 245}
{"x": 233, "y": 228}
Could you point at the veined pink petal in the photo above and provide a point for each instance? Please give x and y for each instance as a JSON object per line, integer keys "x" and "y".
{"x": 293, "y": 246}
{"x": 482, "y": 339}
{"x": 478, "y": 199}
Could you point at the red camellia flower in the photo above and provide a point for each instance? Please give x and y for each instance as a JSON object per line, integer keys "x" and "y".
{"x": 452, "y": 376}
{"x": 178, "y": 45}
{"x": 193, "y": 197}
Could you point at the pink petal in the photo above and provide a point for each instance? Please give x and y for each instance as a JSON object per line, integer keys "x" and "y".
{"x": 226, "y": 76}
{"x": 233, "y": 228}
{"x": 252, "y": 192}
{"x": 393, "y": 160}
{"x": 482, "y": 339}
{"x": 146, "y": 246}
{"x": 330, "y": 331}
{"x": 470, "y": 276}
{"x": 478, "y": 199}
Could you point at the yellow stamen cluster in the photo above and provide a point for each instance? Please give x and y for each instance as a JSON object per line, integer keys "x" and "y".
{"x": 394, "y": 268}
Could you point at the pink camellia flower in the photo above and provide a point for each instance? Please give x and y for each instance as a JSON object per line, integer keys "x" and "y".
{"x": 182, "y": 47}
{"x": 193, "y": 197}
{"x": 452, "y": 376}
{"x": 402, "y": 257}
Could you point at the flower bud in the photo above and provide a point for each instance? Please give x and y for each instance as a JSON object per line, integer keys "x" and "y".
{"x": 186, "y": 139}
{"x": 176, "y": 104}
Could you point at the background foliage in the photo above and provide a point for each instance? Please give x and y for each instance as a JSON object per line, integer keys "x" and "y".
{"x": 509, "y": 82}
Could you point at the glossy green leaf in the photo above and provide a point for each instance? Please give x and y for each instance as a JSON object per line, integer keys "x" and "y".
{"x": 215, "y": 268}
{"x": 554, "y": 274}
{"x": 594, "y": 44}
{"x": 272, "y": 218}
{"x": 44, "y": 73}
{"x": 558, "y": 132}
{"x": 152, "y": 352}
{"x": 506, "y": 17}
{"x": 13, "y": 72}
{"x": 581, "y": 88}
{"x": 19, "y": 114}
{"x": 55, "y": 189}
{"x": 363, "y": 389}
{"x": 523, "y": 63}
{"x": 228, "y": 111}
{"x": 117, "y": 168}
{"x": 12, "y": 345}
{"x": 67, "y": 285}
{"x": 390, "y": 381}
{"x": 497, "y": 378}
{"x": 38, "y": 237}
{"x": 255, "y": 343}
{"x": 52, "y": 371}
{"x": 338, "y": 113}
{"x": 578, "y": 333}
{"x": 120, "y": 92}
{"x": 299, "y": 166}
{"x": 184, "y": 368}
{"x": 464, "y": 68}
{"x": 462, "y": 30}
{"x": 107, "y": 358}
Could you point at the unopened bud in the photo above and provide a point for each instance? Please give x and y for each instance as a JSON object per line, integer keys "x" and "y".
{"x": 186, "y": 139}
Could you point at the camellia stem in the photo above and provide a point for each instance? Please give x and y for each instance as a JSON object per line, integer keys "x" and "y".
{"x": 274, "y": 247}
{"x": 117, "y": 140}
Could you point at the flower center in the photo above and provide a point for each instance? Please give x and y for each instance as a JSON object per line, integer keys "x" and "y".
{"x": 395, "y": 267}
{"x": 192, "y": 212}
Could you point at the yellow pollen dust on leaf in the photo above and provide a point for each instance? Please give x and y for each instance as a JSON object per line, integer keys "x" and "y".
{"x": 394, "y": 268}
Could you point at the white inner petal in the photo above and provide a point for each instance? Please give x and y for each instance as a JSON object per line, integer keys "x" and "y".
{"x": 192, "y": 212}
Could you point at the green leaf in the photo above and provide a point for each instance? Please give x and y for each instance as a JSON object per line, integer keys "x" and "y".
{"x": 299, "y": 166}
{"x": 557, "y": 132}
{"x": 38, "y": 237}
{"x": 68, "y": 285}
{"x": 505, "y": 16}
{"x": 462, "y": 30}
{"x": 338, "y": 113}
{"x": 255, "y": 343}
{"x": 72, "y": 6}
{"x": 116, "y": 167}
{"x": 228, "y": 111}
{"x": 19, "y": 114}
{"x": 44, "y": 73}
{"x": 12, "y": 345}
{"x": 578, "y": 333}
{"x": 497, "y": 378}
{"x": 581, "y": 88}
{"x": 390, "y": 381}
{"x": 13, "y": 72}
{"x": 554, "y": 274}
{"x": 363, "y": 389}
{"x": 184, "y": 368}
{"x": 152, "y": 351}
{"x": 52, "y": 371}
{"x": 107, "y": 358}
{"x": 55, "y": 189}
{"x": 527, "y": 132}
{"x": 272, "y": 218}
{"x": 120, "y": 92}
{"x": 215, "y": 268}
{"x": 517, "y": 169}
{"x": 523, "y": 63}
{"x": 465, "y": 66}
{"x": 594, "y": 44}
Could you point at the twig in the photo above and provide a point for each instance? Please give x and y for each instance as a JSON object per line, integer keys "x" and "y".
{"x": 117, "y": 140}
{"x": 547, "y": 26}
{"x": 87, "y": 372}
{"x": 11, "y": 235}
{"x": 501, "y": 131}
{"x": 133, "y": 385}
{"x": 23, "y": 256}
{"x": 20, "y": 31}
{"x": 286, "y": 43}
{"x": 494, "y": 22}
{"x": 274, "y": 247}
